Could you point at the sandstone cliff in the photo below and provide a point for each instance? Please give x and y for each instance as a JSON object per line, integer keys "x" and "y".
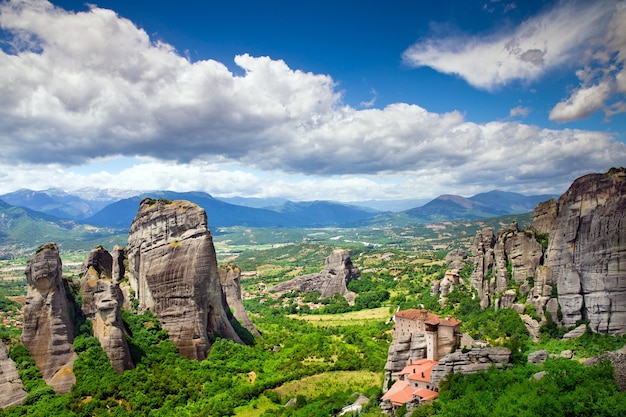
{"x": 583, "y": 262}
{"x": 173, "y": 272}
{"x": 48, "y": 329}
{"x": 102, "y": 299}
{"x": 230, "y": 278}
{"x": 587, "y": 252}
{"x": 333, "y": 279}
{"x": 11, "y": 388}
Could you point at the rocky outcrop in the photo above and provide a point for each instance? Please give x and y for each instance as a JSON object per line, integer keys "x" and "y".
{"x": 118, "y": 256}
{"x": 48, "y": 328}
{"x": 472, "y": 361}
{"x": 544, "y": 216}
{"x": 102, "y": 300}
{"x": 618, "y": 360}
{"x": 456, "y": 259}
{"x": 173, "y": 271}
{"x": 230, "y": 278}
{"x": 510, "y": 256}
{"x": 570, "y": 262}
{"x": 11, "y": 388}
{"x": 333, "y": 279}
{"x": 587, "y": 252}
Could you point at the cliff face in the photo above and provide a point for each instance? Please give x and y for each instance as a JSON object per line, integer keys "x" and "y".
{"x": 230, "y": 278}
{"x": 587, "y": 252}
{"x": 11, "y": 388}
{"x": 584, "y": 262}
{"x": 102, "y": 299}
{"x": 333, "y": 279}
{"x": 173, "y": 271}
{"x": 48, "y": 329}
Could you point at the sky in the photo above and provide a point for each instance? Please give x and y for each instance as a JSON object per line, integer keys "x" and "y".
{"x": 311, "y": 100}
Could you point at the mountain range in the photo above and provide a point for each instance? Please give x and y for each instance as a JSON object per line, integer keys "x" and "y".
{"x": 47, "y": 215}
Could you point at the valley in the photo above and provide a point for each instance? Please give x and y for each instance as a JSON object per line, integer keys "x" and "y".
{"x": 312, "y": 355}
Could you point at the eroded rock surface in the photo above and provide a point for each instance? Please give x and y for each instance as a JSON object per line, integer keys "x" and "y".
{"x": 587, "y": 252}
{"x": 230, "y": 278}
{"x": 102, "y": 300}
{"x": 333, "y": 279}
{"x": 173, "y": 272}
{"x": 472, "y": 361}
{"x": 48, "y": 328}
{"x": 579, "y": 272}
{"x": 11, "y": 388}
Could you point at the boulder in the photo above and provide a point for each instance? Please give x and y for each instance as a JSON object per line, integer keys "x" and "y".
{"x": 333, "y": 279}
{"x": 539, "y": 356}
{"x": 48, "y": 328}
{"x": 230, "y": 278}
{"x": 577, "y": 332}
{"x": 11, "y": 388}
{"x": 173, "y": 272}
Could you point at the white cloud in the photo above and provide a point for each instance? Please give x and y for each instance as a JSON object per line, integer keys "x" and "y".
{"x": 581, "y": 103}
{"x": 519, "y": 111}
{"x": 80, "y": 87}
{"x": 522, "y": 53}
{"x": 603, "y": 78}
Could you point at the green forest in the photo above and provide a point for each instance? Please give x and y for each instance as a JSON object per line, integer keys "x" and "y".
{"x": 319, "y": 365}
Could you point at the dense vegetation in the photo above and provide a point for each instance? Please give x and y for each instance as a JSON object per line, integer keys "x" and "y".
{"x": 317, "y": 363}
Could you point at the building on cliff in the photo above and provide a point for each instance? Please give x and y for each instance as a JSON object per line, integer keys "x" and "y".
{"x": 442, "y": 335}
{"x": 420, "y": 339}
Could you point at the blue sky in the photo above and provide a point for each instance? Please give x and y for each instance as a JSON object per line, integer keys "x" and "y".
{"x": 334, "y": 100}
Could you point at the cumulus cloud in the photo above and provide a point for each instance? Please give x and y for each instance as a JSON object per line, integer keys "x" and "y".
{"x": 522, "y": 53}
{"x": 81, "y": 86}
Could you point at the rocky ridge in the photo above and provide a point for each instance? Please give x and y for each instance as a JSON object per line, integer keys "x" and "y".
{"x": 48, "y": 327}
{"x": 173, "y": 271}
{"x": 333, "y": 279}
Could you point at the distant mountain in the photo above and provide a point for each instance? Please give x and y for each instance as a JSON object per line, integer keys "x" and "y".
{"x": 510, "y": 202}
{"x": 59, "y": 203}
{"x": 254, "y": 202}
{"x": 490, "y": 204}
{"x": 23, "y": 229}
{"x": 324, "y": 213}
{"x": 222, "y": 214}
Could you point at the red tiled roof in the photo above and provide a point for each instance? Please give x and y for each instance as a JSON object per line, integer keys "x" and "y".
{"x": 425, "y": 394}
{"x": 427, "y": 317}
{"x": 399, "y": 393}
{"x": 419, "y": 370}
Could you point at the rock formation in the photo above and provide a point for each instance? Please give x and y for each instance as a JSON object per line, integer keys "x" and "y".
{"x": 333, "y": 279}
{"x": 11, "y": 388}
{"x": 230, "y": 278}
{"x": 587, "y": 252}
{"x": 102, "y": 299}
{"x": 173, "y": 271}
{"x": 582, "y": 264}
{"x": 472, "y": 361}
{"x": 117, "y": 258}
{"x": 618, "y": 360}
{"x": 48, "y": 328}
